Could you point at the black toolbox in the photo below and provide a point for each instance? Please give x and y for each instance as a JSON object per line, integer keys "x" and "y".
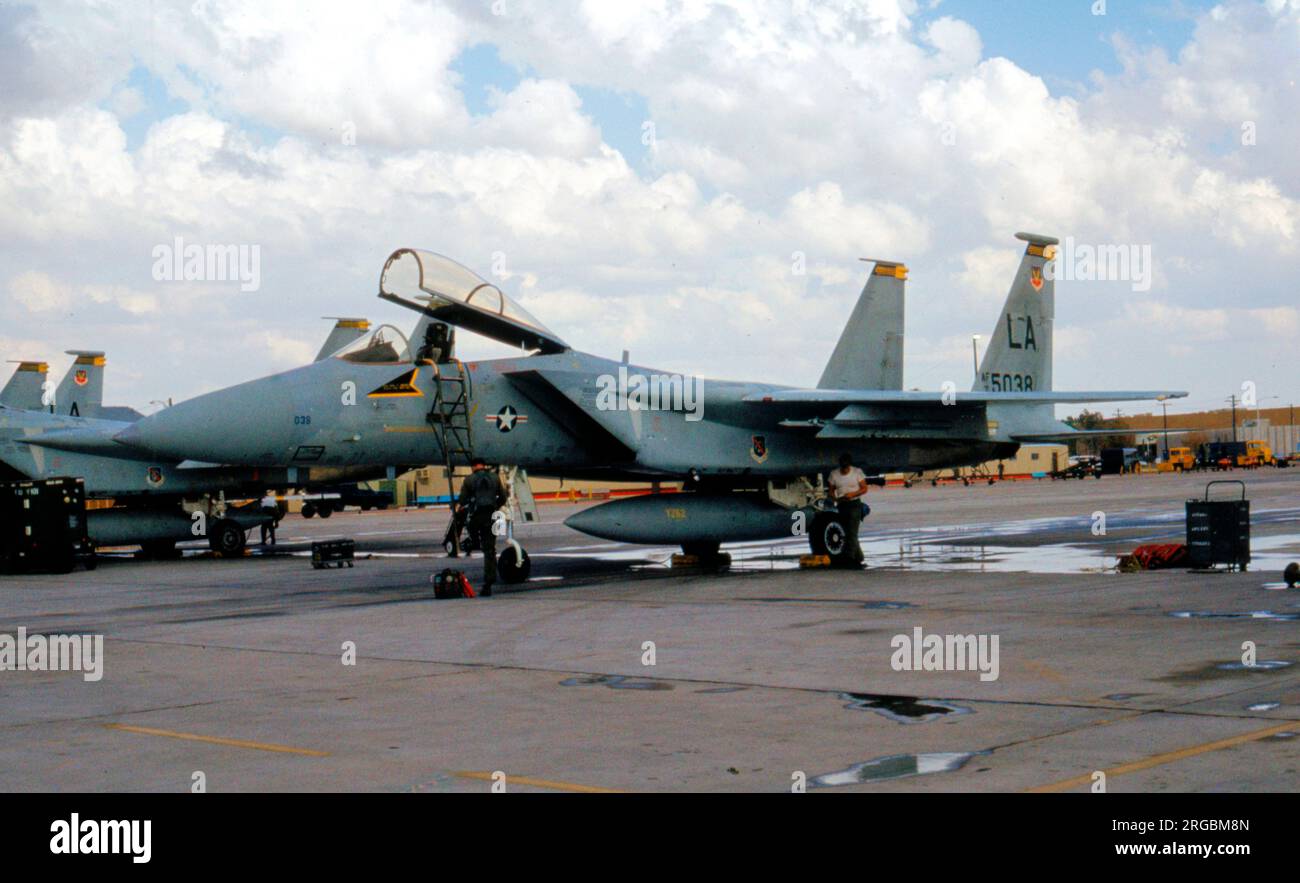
{"x": 332, "y": 553}
{"x": 43, "y": 526}
{"x": 1218, "y": 531}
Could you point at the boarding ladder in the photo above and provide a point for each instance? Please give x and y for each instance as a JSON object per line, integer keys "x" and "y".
{"x": 450, "y": 419}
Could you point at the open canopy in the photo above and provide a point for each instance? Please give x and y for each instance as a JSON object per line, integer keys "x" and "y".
{"x": 384, "y": 345}
{"x": 451, "y": 293}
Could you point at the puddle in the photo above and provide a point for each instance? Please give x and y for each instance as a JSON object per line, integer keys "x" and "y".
{"x": 867, "y": 605}
{"x": 902, "y": 709}
{"x": 1261, "y": 665}
{"x": 895, "y": 766}
{"x": 1121, "y": 697}
{"x": 722, "y": 690}
{"x": 994, "y": 547}
{"x": 615, "y": 682}
{"x": 1279, "y": 737}
{"x": 1251, "y": 614}
{"x": 1264, "y": 706}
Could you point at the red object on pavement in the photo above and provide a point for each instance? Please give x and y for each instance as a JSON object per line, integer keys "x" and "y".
{"x": 1161, "y": 555}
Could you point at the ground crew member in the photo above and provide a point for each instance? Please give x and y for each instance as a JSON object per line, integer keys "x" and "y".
{"x": 272, "y": 511}
{"x": 481, "y": 495}
{"x": 848, "y": 485}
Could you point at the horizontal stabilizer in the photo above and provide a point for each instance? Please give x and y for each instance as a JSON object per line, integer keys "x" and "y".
{"x": 919, "y": 397}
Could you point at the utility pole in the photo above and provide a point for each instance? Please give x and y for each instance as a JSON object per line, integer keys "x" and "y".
{"x": 1164, "y": 406}
{"x": 1233, "y": 399}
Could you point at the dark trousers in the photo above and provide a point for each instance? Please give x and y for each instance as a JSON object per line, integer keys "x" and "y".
{"x": 268, "y": 528}
{"x": 481, "y": 530}
{"x": 851, "y": 517}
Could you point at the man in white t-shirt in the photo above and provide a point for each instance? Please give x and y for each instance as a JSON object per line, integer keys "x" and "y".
{"x": 847, "y": 485}
{"x": 270, "y": 510}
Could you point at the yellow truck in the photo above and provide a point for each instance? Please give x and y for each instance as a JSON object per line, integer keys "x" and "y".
{"x": 1180, "y": 460}
{"x": 1258, "y": 453}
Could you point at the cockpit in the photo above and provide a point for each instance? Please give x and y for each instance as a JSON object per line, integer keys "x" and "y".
{"x": 384, "y": 345}
{"x": 446, "y": 292}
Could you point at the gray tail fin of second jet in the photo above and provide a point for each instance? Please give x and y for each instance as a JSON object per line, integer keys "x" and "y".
{"x": 869, "y": 354}
{"x": 1019, "y": 354}
{"x": 81, "y": 392}
{"x": 345, "y": 331}
{"x": 25, "y": 389}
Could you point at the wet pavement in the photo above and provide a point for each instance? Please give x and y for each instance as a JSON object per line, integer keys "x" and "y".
{"x": 763, "y": 676}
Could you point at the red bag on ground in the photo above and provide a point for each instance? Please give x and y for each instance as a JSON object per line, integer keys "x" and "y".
{"x": 1157, "y": 556}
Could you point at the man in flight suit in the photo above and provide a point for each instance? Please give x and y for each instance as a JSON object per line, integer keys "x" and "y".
{"x": 481, "y": 495}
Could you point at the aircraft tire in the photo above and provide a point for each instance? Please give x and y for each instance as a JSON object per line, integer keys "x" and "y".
{"x": 828, "y": 537}
{"x": 514, "y": 568}
{"x": 227, "y": 537}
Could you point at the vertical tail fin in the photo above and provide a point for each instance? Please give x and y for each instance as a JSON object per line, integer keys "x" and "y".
{"x": 25, "y": 388}
{"x": 81, "y": 392}
{"x": 1019, "y": 354}
{"x": 345, "y": 331}
{"x": 869, "y": 354}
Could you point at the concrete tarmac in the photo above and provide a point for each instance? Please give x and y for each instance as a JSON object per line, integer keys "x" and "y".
{"x": 764, "y": 677}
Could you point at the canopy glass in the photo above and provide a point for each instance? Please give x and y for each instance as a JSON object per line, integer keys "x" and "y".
{"x": 459, "y": 296}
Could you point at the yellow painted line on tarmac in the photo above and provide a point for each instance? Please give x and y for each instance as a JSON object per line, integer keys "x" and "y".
{"x": 1168, "y": 757}
{"x": 538, "y": 783}
{"x": 218, "y": 740}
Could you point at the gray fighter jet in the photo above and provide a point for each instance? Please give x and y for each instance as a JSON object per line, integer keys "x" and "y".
{"x": 155, "y": 501}
{"x": 752, "y": 455}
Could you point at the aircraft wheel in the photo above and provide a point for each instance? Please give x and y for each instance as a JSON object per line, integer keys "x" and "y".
{"x": 450, "y": 547}
{"x": 326, "y": 510}
{"x": 514, "y": 565}
{"x": 227, "y": 537}
{"x": 308, "y": 510}
{"x": 828, "y": 536}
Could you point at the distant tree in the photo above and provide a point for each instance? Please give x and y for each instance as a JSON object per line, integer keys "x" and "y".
{"x": 1093, "y": 420}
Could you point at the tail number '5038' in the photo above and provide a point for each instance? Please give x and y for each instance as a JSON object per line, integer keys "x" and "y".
{"x": 1009, "y": 382}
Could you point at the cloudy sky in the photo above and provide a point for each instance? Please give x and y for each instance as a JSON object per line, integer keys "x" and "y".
{"x": 644, "y": 175}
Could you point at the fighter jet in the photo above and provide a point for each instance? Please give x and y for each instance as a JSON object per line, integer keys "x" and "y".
{"x": 156, "y": 501}
{"x": 752, "y": 455}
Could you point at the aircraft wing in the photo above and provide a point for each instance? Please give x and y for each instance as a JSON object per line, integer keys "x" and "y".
{"x": 926, "y": 397}
{"x": 1098, "y": 433}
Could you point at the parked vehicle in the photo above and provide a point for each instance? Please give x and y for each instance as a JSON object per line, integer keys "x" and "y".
{"x": 326, "y": 501}
{"x": 1080, "y": 467}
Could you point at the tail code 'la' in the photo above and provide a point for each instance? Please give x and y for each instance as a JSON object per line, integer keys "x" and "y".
{"x": 1019, "y": 355}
